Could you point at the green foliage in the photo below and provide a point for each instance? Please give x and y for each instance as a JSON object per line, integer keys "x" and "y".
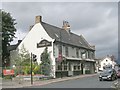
{"x": 26, "y": 70}
{"x": 45, "y": 64}
{"x": 8, "y": 77}
{"x": 8, "y": 33}
{"x": 23, "y": 64}
{"x": 36, "y": 69}
{"x": 22, "y": 61}
{"x": 23, "y": 58}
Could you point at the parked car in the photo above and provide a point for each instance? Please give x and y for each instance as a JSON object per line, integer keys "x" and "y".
{"x": 118, "y": 73}
{"x": 108, "y": 74}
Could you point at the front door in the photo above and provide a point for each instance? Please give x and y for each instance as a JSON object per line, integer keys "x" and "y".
{"x": 70, "y": 71}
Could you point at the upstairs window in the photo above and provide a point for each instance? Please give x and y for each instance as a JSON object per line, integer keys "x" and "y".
{"x": 66, "y": 51}
{"x": 77, "y": 52}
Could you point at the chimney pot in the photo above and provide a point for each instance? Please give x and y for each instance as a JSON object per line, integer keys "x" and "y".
{"x": 66, "y": 26}
{"x": 38, "y": 19}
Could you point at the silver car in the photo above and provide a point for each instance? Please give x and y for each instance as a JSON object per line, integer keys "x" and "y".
{"x": 108, "y": 74}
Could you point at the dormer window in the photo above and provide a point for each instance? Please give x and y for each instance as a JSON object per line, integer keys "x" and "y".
{"x": 56, "y": 35}
{"x": 80, "y": 42}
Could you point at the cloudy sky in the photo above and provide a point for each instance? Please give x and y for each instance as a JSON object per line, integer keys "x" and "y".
{"x": 96, "y": 21}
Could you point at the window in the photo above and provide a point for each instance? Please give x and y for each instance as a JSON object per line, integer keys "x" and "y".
{"x": 75, "y": 67}
{"x": 65, "y": 66}
{"x": 80, "y": 42}
{"x": 92, "y": 55}
{"x": 89, "y": 54}
{"x": 56, "y": 35}
{"x": 77, "y": 52}
{"x": 79, "y": 67}
{"x": 60, "y": 48}
{"x": 83, "y": 54}
{"x": 66, "y": 51}
{"x": 59, "y": 67}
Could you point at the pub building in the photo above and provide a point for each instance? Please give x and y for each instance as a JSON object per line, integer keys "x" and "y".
{"x": 70, "y": 54}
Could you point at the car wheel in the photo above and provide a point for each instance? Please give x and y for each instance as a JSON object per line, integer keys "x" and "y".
{"x": 100, "y": 79}
{"x": 112, "y": 78}
{"x": 116, "y": 77}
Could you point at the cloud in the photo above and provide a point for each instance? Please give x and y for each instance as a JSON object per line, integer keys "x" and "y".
{"x": 98, "y": 22}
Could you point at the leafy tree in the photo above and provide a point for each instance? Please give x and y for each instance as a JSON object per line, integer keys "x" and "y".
{"x": 22, "y": 61}
{"x": 23, "y": 64}
{"x": 36, "y": 68}
{"x": 45, "y": 64}
{"x": 0, "y": 40}
{"x": 8, "y": 33}
{"x": 25, "y": 56}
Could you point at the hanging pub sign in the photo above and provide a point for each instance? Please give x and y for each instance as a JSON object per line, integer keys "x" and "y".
{"x": 60, "y": 57}
{"x": 44, "y": 43}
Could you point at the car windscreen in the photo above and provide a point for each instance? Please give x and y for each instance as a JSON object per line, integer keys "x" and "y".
{"x": 107, "y": 72}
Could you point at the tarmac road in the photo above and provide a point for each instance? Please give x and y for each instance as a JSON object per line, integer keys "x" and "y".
{"x": 85, "y": 82}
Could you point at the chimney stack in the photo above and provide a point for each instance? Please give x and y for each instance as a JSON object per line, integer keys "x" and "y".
{"x": 66, "y": 26}
{"x": 38, "y": 19}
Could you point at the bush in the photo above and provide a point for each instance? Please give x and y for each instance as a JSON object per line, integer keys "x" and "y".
{"x": 87, "y": 71}
{"x": 8, "y": 77}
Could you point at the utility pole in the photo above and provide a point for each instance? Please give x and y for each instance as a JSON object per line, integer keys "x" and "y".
{"x": 31, "y": 69}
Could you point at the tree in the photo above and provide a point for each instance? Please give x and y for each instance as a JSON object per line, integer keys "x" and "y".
{"x": 25, "y": 56}
{"x": 45, "y": 64}
{"x": 22, "y": 61}
{"x": 8, "y": 33}
{"x": 0, "y": 40}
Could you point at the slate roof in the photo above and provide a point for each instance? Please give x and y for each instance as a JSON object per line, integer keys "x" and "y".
{"x": 14, "y": 47}
{"x": 68, "y": 38}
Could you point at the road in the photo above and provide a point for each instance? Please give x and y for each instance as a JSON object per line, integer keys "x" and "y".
{"x": 86, "y": 82}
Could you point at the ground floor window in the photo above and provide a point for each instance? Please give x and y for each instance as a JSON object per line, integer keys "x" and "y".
{"x": 68, "y": 66}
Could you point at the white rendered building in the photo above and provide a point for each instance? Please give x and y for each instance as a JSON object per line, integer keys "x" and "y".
{"x": 78, "y": 53}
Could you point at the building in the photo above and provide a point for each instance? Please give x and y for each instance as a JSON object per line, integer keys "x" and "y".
{"x": 70, "y": 54}
{"x": 108, "y": 61}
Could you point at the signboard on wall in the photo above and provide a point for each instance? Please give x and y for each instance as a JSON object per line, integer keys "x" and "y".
{"x": 44, "y": 43}
{"x": 8, "y": 72}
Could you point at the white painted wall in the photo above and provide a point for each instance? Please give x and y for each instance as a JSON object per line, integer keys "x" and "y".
{"x": 36, "y": 34}
{"x": 106, "y": 61}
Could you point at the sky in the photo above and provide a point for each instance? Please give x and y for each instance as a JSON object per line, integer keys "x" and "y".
{"x": 96, "y": 21}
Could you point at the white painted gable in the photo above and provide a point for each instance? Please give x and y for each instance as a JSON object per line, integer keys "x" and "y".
{"x": 105, "y": 62}
{"x": 35, "y": 35}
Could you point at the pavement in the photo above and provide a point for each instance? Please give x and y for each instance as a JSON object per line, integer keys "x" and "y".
{"x": 24, "y": 84}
